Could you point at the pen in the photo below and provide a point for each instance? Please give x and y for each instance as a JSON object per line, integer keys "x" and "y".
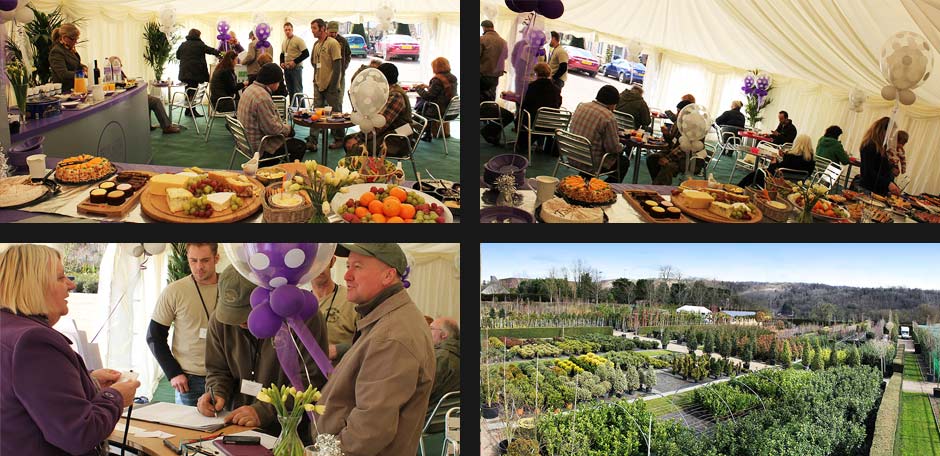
{"x": 212, "y": 401}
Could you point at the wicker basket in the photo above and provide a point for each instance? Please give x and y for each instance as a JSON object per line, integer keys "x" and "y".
{"x": 777, "y": 215}
{"x": 273, "y": 214}
{"x": 782, "y": 190}
{"x": 756, "y": 193}
{"x": 356, "y": 163}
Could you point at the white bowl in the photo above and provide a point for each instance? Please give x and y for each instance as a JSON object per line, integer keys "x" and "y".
{"x": 355, "y": 191}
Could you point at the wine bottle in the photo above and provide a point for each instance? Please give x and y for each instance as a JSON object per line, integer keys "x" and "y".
{"x": 97, "y": 72}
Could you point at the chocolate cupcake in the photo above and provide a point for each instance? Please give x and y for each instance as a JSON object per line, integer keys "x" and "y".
{"x": 648, "y": 205}
{"x": 673, "y": 212}
{"x": 99, "y": 196}
{"x": 126, "y": 188}
{"x": 658, "y": 212}
{"x": 107, "y": 186}
{"x": 116, "y": 198}
{"x": 666, "y": 204}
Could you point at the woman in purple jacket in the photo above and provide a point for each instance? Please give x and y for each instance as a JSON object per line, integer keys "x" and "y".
{"x": 49, "y": 403}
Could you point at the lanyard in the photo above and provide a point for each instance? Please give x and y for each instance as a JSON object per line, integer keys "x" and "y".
{"x": 203, "y": 301}
{"x": 332, "y": 299}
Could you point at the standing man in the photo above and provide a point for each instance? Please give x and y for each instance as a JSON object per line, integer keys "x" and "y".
{"x": 340, "y": 314}
{"x": 293, "y": 53}
{"x": 187, "y": 304}
{"x": 558, "y": 61}
{"x": 378, "y": 395}
{"x": 493, "y": 53}
{"x": 327, "y": 59}
{"x": 193, "y": 69}
{"x": 333, "y": 28}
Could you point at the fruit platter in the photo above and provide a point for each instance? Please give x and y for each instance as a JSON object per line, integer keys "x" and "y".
{"x": 373, "y": 169}
{"x": 595, "y": 192}
{"x": 198, "y": 196}
{"x": 388, "y": 203}
{"x": 823, "y": 210}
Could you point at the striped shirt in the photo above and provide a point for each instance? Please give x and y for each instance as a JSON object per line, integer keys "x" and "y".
{"x": 258, "y": 115}
{"x": 597, "y": 123}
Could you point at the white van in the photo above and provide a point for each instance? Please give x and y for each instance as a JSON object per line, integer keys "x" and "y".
{"x": 905, "y": 332}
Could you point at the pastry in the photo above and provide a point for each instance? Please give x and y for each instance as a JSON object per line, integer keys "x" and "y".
{"x": 82, "y": 168}
{"x": 18, "y": 190}
{"x": 557, "y": 210}
{"x": 593, "y": 192}
{"x": 116, "y": 198}
{"x": 99, "y": 196}
{"x": 107, "y": 186}
{"x": 648, "y": 205}
{"x": 673, "y": 212}
{"x": 125, "y": 187}
{"x": 658, "y": 212}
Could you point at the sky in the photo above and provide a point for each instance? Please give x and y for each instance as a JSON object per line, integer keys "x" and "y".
{"x": 857, "y": 265}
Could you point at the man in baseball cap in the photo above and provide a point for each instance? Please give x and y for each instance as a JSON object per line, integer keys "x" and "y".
{"x": 378, "y": 395}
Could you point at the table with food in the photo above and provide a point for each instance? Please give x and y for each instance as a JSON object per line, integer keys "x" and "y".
{"x": 92, "y": 188}
{"x": 636, "y": 140}
{"x": 321, "y": 119}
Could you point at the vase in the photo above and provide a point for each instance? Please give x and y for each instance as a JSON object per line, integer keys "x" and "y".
{"x": 288, "y": 442}
{"x": 806, "y": 215}
{"x": 20, "y": 92}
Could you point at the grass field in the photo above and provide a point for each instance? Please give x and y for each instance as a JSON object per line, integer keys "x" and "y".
{"x": 912, "y": 369}
{"x": 917, "y": 430}
{"x": 654, "y": 352}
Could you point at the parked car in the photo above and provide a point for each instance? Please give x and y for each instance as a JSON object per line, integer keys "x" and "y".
{"x": 582, "y": 60}
{"x": 357, "y": 44}
{"x": 398, "y": 46}
{"x": 625, "y": 71}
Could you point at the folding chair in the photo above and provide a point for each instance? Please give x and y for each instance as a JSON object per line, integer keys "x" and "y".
{"x": 829, "y": 176}
{"x": 547, "y": 121}
{"x": 190, "y": 103}
{"x": 418, "y": 125}
{"x": 451, "y": 113}
{"x": 214, "y": 112}
{"x": 242, "y": 146}
{"x": 436, "y": 421}
{"x": 575, "y": 153}
{"x": 451, "y": 432}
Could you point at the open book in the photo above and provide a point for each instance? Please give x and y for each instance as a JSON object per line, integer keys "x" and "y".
{"x": 183, "y": 416}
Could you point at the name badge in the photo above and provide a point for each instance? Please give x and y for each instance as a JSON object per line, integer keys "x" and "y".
{"x": 250, "y": 388}
{"x": 203, "y": 332}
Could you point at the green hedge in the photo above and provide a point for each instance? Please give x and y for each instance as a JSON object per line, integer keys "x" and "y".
{"x": 532, "y": 333}
{"x": 887, "y": 422}
{"x": 898, "y": 363}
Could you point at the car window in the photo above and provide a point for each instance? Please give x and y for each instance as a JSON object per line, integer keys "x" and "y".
{"x": 355, "y": 39}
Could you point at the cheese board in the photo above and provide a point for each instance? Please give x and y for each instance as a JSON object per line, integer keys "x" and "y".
{"x": 157, "y": 206}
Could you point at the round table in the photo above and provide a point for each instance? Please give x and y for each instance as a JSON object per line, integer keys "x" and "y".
{"x": 634, "y": 146}
{"x": 169, "y": 89}
{"x": 322, "y": 125}
{"x": 754, "y": 136}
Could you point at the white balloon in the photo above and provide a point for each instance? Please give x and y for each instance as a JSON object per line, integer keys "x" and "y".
{"x": 369, "y": 91}
{"x": 355, "y": 117}
{"x": 138, "y": 251}
{"x": 684, "y": 141}
{"x": 24, "y": 15}
{"x": 889, "y": 92}
{"x": 154, "y": 248}
{"x": 365, "y": 124}
{"x": 7, "y": 16}
{"x": 378, "y": 120}
{"x": 906, "y": 60}
{"x": 490, "y": 11}
{"x": 907, "y": 97}
{"x": 698, "y": 145}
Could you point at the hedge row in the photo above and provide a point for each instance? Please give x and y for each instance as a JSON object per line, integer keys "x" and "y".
{"x": 541, "y": 333}
{"x": 898, "y": 363}
{"x": 886, "y": 424}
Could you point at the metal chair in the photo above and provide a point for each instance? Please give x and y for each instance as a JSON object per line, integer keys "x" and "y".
{"x": 294, "y": 98}
{"x": 575, "y": 150}
{"x": 451, "y": 432}
{"x": 280, "y": 102}
{"x": 547, "y": 121}
{"x": 624, "y": 121}
{"x": 452, "y": 112}
{"x": 214, "y": 112}
{"x": 436, "y": 420}
{"x": 498, "y": 119}
{"x": 418, "y": 125}
{"x": 190, "y": 103}
{"x": 829, "y": 173}
{"x": 242, "y": 146}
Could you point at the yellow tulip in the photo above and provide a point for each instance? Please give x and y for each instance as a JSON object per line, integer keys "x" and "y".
{"x": 316, "y": 396}
{"x": 263, "y": 397}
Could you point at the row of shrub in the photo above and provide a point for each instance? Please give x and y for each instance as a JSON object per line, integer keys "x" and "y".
{"x": 544, "y": 333}
{"x": 576, "y": 345}
{"x": 886, "y": 424}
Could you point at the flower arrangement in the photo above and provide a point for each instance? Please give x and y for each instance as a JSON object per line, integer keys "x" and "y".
{"x": 19, "y": 79}
{"x": 322, "y": 187}
{"x": 757, "y": 86}
{"x": 811, "y": 194}
{"x": 289, "y": 414}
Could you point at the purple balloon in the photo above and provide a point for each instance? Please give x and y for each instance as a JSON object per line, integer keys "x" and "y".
{"x": 262, "y": 44}
{"x": 511, "y": 4}
{"x": 8, "y": 5}
{"x": 526, "y": 6}
{"x": 262, "y": 31}
{"x": 280, "y": 263}
{"x": 310, "y": 307}
{"x": 552, "y": 9}
{"x": 224, "y": 37}
{"x": 286, "y": 300}
{"x": 222, "y": 27}
{"x": 263, "y": 322}
{"x": 259, "y": 296}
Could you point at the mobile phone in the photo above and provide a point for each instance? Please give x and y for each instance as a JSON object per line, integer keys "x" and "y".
{"x": 241, "y": 439}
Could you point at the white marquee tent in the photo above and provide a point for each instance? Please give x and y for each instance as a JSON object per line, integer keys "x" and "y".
{"x": 816, "y": 50}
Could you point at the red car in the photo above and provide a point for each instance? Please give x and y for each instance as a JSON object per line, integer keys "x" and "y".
{"x": 582, "y": 60}
{"x": 398, "y": 46}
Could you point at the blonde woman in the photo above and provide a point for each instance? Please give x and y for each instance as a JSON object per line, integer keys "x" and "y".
{"x": 64, "y": 60}
{"x": 799, "y": 158}
{"x": 51, "y": 404}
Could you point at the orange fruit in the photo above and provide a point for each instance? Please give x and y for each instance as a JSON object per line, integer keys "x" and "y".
{"x": 378, "y": 218}
{"x": 409, "y": 220}
{"x": 407, "y": 211}
{"x": 395, "y": 219}
{"x": 397, "y": 192}
{"x": 361, "y": 211}
{"x": 392, "y": 206}
{"x": 376, "y": 206}
{"x": 366, "y": 198}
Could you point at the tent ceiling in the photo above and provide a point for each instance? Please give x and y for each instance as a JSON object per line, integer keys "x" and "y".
{"x": 274, "y": 9}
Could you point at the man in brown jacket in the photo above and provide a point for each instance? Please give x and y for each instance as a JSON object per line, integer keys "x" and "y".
{"x": 493, "y": 54}
{"x": 238, "y": 364}
{"x": 377, "y": 397}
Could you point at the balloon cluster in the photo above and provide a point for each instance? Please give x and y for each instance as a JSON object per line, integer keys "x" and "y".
{"x": 385, "y": 15}
{"x": 693, "y": 122}
{"x": 167, "y": 21}
{"x": 490, "y": 11}
{"x": 757, "y": 86}
{"x": 528, "y": 50}
{"x": 906, "y": 62}
{"x": 262, "y": 32}
{"x": 223, "y": 28}
{"x": 369, "y": 93}
{"x": 15, "y": 10}
{"x": 552, "y": 9}
{"x": 857, "y": 100}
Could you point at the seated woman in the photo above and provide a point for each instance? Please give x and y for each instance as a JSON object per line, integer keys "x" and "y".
{"x": 877, "y": 171}
{"x": 51, "y": 403}
{"x": 224, "y": 83}
{"x": 541, "y": 93}
{"x": 799, "y": 158}
{"x": 64, "y": 60}
{"x": 397, "y": 113}
{"x": 830, "y": 148}
{"x": 443, "y": 87}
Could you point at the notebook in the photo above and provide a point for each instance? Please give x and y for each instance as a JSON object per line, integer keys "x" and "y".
{"x": 183, "y": 416}
{"x": 231, "y": 449}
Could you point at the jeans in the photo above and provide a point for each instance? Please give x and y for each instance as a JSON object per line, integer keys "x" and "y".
{"x": 197, "y": 386}
{"x": 295, "y": 82}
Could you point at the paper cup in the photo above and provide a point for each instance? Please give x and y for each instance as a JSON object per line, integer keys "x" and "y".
{"x": 545, "y": 187}
{"x": 37, "y": 166}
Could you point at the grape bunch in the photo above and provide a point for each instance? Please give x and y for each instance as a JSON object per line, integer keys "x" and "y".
{"x": 198, "y": 207}
{"x": 429, "y": 213}
{"x": 204, "y": 186}
{"x": 236, "y": 202}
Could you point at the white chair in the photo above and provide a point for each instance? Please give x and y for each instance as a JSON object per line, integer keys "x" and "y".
{"x": 438, "y": 417}
{"x": 190, "y": 103}
{"x": 828, "y": 173}
{"x": 298, "y": 96}
{"x": 451, "y": 113}
{"x": 624, "y": 121}
{"x": 574, "y": 151}
{"x": 547, "y": 121}
{"x": 451, "y": 432}
{"x": 243, "y": 147}
{"x": 418, "y": 125}
{"x": 728, "y": 142}
{"x": 215, "y": 113}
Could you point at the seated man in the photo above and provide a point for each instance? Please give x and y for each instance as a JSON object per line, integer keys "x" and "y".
{"x": 156, "y": 107}
{"x": 446, "y": 336}
{"x": 632, "y": 102}
{"x": 397, "y": 113}
{"x": 238, "y": 363}
{"x": 595, "y": 121}
{"x": 259, "y": 116}
{"x": 785, "y": 131}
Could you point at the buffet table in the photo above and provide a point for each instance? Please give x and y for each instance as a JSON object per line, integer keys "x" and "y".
{"x": 117, "y": 128}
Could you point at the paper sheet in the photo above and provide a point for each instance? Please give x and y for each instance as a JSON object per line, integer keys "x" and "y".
{"x": 180, "y": 416}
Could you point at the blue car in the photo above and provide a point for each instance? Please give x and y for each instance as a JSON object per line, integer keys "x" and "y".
{"x": 625, "y": 71}
{"x": 357, "y": 44}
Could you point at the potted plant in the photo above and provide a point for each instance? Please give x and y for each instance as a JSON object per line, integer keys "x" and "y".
{"x": 523, "y": 447}
{"x": 159, "y": 48}
{"x": 488, "y": 411}
{"x": 39, "y": 33}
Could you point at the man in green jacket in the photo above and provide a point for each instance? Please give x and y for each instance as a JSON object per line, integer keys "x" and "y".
{"x": 632, "y": 102}
{"x": 830, "y": 148}
{"x": 445, "y": 332}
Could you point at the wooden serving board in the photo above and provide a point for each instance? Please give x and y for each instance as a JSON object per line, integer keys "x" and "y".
{"x": 156, "y": 207}
{"x": 107, "y": 210}
{"x": 630, "y": 196}
{"x": 711, "y": 217}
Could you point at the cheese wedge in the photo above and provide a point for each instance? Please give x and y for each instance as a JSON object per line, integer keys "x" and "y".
{"x": 176, "y": 197}
{"x": 220, "y": 200}
{"x": 188, "y": 174}
{"x": 722, "y": 209}
{"x": 695, "y": 199}
{"x": 161, "y": 182}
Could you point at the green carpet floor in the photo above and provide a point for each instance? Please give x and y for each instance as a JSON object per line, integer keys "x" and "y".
{"x": 190, "y": 149}
{"x": 543, "y": 164}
